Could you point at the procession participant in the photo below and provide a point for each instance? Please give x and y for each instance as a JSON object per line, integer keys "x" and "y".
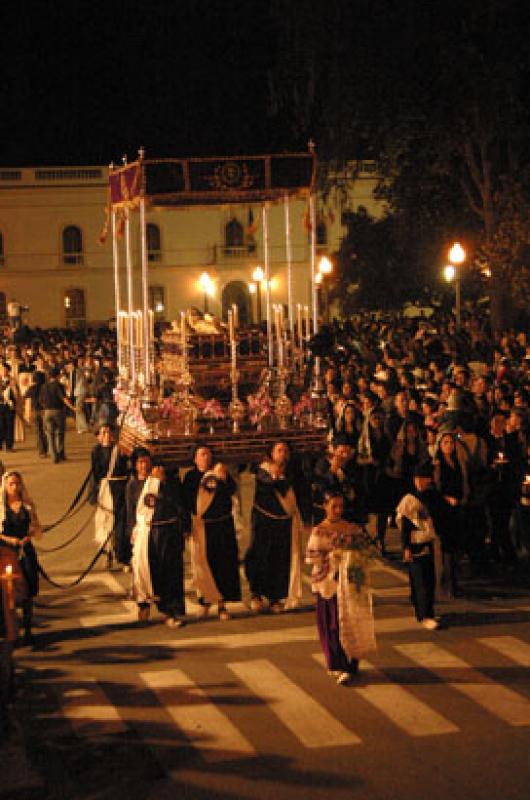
{"x": 19, "y": 524}
{"x": 417, "y": 515}
{"x": 107, "y": 491}
{"x": 208, "y": 492}
{"x": 272, "y": 561}
{"x": 372, "y": 460}
{"x": 141, "y": 467}
{"x": 336, "y": 472}
{"x": 339, "y": 552}
{"x": 158, "y": 547}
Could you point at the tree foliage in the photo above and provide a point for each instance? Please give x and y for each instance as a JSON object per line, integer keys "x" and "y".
{"x": 438, "y": 92}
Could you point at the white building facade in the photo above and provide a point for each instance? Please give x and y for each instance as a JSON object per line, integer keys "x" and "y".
{"x": 52, "y": 260}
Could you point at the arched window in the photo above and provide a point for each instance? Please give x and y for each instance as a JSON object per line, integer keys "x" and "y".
{"x": 3, "y": 307}
{"x": 74, "y": 308}
{"x": 234, "y": 238}
{"x": 72, "y": 245}
{"x": 152, "y": 235}
{"x": 1, "y": 248}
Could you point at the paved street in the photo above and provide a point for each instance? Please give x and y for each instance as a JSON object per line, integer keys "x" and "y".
{"x": 244, "y": 708}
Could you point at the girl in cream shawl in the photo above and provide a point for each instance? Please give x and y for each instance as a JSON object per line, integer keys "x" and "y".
{"x": 339, "y": 552}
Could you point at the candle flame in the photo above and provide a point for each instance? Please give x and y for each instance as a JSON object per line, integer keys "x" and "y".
{"x": 9, "y": 569}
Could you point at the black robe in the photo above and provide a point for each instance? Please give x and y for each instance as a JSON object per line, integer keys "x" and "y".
{"x": 221, "y": 543}
{"x": 100, "y": 460}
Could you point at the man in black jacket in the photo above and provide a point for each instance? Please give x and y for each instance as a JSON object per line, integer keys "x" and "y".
{"x": 53, "y": 401}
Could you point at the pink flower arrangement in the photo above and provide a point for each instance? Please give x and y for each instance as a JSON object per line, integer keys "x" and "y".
{"x": 304, "y": 406}
{"x": 259, "y": 406}
{"x": 170, "y": 410}
{"x": 213, "y": 409}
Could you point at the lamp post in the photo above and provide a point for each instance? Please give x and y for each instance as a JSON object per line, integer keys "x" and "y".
{"x": 206, "y": 285}
{"x": 457, "y": 256}
{"x": 325, "y": 268}
{"x": 257, "y": 277}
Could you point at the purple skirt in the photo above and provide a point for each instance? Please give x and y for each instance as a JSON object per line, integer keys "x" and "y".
{"x": 328, "y": 630}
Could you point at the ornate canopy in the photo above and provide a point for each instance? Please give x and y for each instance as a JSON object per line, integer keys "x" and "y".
{"x": 206, "y": 181}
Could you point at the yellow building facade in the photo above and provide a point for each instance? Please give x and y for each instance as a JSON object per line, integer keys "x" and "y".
{"x": 52, "y": 260}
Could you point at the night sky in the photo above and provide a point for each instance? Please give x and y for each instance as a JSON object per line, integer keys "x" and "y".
{"x": 84, "y": 82}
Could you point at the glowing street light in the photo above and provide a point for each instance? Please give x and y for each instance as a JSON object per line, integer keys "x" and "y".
{"x": 208, "y": 287}
{"x": 257, "y": 276}
{"x": 457, "y": 256}
{"x": 325, "y": 268}
{"x": 449, "y": 273}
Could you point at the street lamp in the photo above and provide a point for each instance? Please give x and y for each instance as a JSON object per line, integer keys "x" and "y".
{"x": 325, "y": 267}
{"x": 258, "y": 276}
{"x": 457, "y": 256}
{"x": 207, "y": 286}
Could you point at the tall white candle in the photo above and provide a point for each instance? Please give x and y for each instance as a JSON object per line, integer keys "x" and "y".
{"x": 183, "y": 339}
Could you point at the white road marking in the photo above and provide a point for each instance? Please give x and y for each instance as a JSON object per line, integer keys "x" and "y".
{"x": 91, "y": 708}
{"x": 511, "y": 647}
{"x": 403, "y": 709}
{"x": 504, "y": 703}
{"x": 307, "y": 720}
{"x": 206, "y": 727}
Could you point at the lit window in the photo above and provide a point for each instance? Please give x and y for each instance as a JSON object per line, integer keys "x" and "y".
{"x": 72, "y": 245}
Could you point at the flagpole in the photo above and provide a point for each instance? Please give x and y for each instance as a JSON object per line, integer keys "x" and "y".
{"x": 289, "y": 258}
{"x": 266, "y": 262}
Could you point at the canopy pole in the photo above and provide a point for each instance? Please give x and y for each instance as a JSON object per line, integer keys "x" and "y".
{"x": 128, "y": 262}
{"x": 146, "y": 328}
{"x": 289, "y": 259}
{"x": 116, "y": 267}
{"x": 266, "y": 261}
{"x": 314, "y": 286}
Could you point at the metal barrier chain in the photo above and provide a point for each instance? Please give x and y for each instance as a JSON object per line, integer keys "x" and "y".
{"x": 83, "y": 574}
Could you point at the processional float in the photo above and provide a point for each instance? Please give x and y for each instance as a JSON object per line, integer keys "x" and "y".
{"x": 211, "y": 380}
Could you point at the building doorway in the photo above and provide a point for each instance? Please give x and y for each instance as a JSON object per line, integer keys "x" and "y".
{"x": 236, "y": 292}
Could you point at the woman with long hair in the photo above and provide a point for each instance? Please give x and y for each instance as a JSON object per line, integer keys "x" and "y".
{"x": 451, "y": 480}
{"x": 19, "y": 524}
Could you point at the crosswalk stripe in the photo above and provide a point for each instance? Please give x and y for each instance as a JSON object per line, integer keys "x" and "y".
{"x": 511, "y": 707}
{"x": 511, "y": 647}
{"x": 312, "y": 724}
{"x": 306, "y": 633}
{"x": 90, "y": 707}
{"x": 407, "y": 712}
{"x": 197, "y": 716}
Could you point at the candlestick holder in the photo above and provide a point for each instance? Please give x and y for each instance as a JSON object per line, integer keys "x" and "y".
{"x": 283, "y": 406}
